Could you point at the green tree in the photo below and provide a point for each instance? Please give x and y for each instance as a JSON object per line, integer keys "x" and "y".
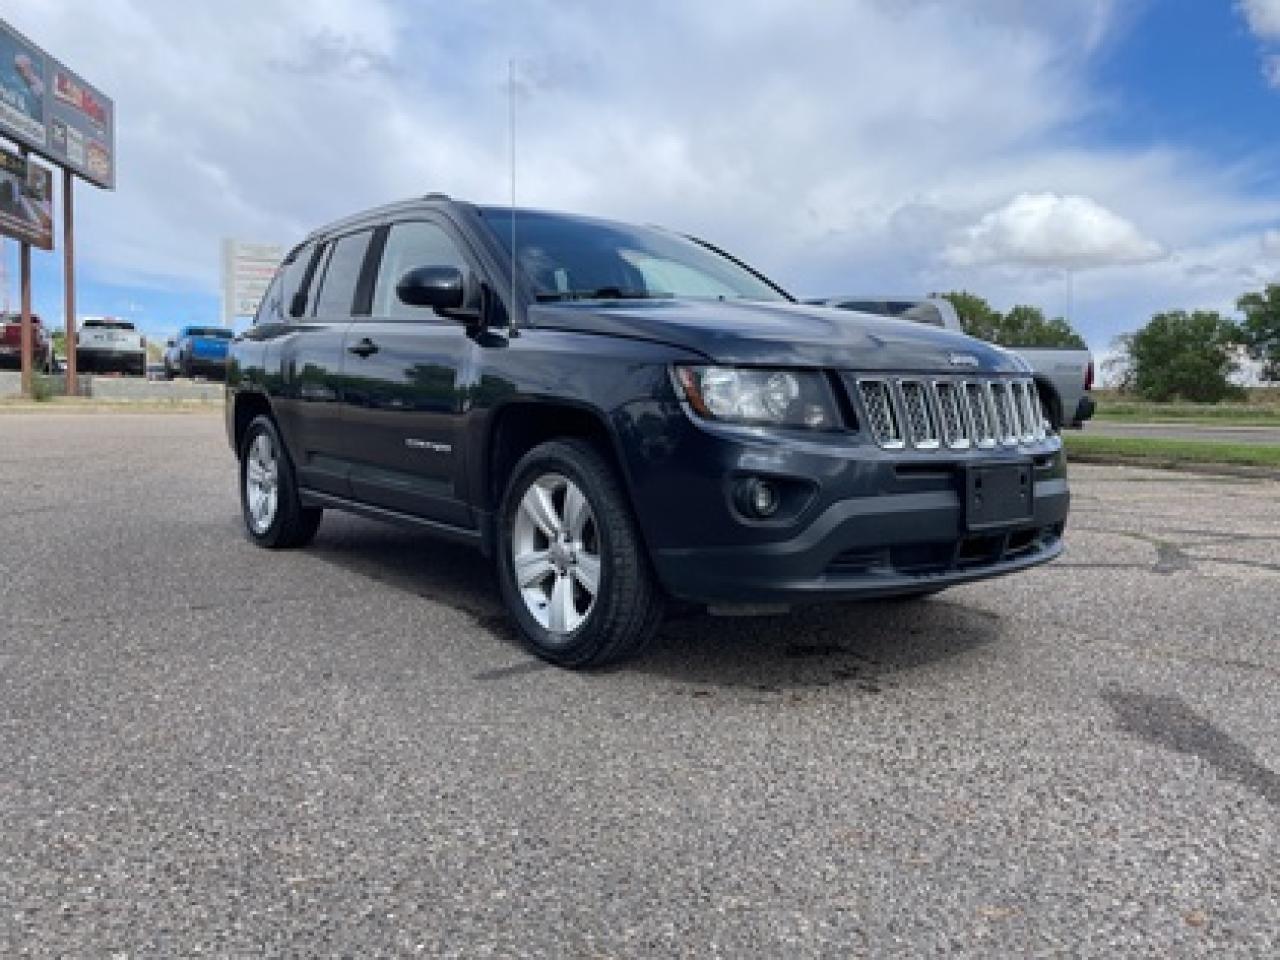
{"x": 977, "y": 317}
{"x": 1183, "y": 356}
{"x": 1260, "y": 332}
{"x": 1023, "y": 326}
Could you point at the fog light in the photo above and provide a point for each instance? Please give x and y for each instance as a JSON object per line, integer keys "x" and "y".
{"x": 758, "y": 498}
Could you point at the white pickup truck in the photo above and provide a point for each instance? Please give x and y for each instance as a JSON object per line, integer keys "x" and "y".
{"x": 107, "y": 344}
{"x": 1064, "y": 376}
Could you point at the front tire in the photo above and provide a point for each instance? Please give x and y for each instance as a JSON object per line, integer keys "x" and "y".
{"x": 273, "y": 513}
{"x": 574, "y": 573}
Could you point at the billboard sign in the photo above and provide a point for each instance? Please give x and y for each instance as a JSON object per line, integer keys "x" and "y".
{"x": 26, "y": 200}
{"x": 46, "y": 107}
{"x": 247, "y": 269}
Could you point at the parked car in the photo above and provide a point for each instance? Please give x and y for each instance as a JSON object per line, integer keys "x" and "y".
{"x": 624, "y": 415}
{"x": 107, "y": 345}
{"x": 197, "y": 351}
{"x": 11, "y": 343}
{"x": 1064, "y": 376}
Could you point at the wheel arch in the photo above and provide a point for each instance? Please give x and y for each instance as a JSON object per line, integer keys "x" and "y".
{"x": 520, "y": 425}
{"x": 247, "y": 405}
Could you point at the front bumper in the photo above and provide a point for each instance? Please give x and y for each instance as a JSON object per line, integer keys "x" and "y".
{"x": 858, "y": 520}
{"x": 874, "y": 547}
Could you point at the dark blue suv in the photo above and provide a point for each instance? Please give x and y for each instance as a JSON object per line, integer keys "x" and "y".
{"x": 619, "y": 415}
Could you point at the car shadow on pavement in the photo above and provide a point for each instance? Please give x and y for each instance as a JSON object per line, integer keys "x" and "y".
{"x": 413, "y": 562}
{"x": 864, "y": 645}
{"x": 851, "y": 644}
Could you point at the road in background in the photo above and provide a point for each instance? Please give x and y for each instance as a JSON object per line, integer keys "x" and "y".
{"x": 213, "y": 748}
{"x": 1183, "y": 431}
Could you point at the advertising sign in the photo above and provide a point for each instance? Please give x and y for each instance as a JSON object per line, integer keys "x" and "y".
{"x": 26, "y": 200}
{"x": 247, "y": 269}
{"x": 53, "y": 111}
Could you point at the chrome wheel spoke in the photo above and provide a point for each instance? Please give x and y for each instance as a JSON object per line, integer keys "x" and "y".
{"x": 576, "y": 511}
{"x": 587, "y": 572}
{"x": 537, "y": 504}
{"x": 533, "y": 567}
{"x": 561, "y": 612}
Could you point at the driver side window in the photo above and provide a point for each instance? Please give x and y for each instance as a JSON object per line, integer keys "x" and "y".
{"x": 413, "y": 243}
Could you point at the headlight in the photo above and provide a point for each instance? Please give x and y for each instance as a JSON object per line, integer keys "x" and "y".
{"x": 782, "y": 398}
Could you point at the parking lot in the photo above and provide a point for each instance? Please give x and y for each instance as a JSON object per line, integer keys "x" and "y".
{"x": 210, "y": 748}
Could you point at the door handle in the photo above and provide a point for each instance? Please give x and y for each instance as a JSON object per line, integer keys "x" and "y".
{"x": 364, "y": 348}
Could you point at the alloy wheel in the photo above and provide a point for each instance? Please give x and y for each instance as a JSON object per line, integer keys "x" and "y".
{"x": 555, "y": 553}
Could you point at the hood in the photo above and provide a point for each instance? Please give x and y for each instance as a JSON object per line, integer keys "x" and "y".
{"x": 779, "y": 334}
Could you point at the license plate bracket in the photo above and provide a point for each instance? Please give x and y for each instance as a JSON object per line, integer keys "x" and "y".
{"x": 998, "y": 495}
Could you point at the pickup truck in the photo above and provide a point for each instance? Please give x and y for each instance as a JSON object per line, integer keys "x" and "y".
{"x": 106, "y": 344}
{"x": 11, "y": 343}
{"x": 197, "y": 350}
{"x": 1064, "y": 376}
{"x": 617, "y": 415}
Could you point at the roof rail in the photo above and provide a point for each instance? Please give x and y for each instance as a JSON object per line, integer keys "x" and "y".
{"x": 437, "y": 196}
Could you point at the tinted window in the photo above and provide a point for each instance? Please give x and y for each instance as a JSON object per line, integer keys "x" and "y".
{"x": 269, "y": 310}
{"x": 570, "y": 257}
{"x": 298, "y": 277}
{"x": 338, "y": 288}
{"x": 414, "y": 243}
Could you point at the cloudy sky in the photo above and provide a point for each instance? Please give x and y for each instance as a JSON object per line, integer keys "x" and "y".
{"x": 869, "y": 145}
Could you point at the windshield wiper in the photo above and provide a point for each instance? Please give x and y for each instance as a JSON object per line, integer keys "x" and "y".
{"x": 601, "y": 293}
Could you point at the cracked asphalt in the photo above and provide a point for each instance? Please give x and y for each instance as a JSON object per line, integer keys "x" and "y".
{"x": 210, "y": 749}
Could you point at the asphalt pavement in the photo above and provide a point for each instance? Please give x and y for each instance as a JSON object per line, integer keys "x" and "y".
{"x": 1183, "y": 431}
{"x": 211, "y": 749}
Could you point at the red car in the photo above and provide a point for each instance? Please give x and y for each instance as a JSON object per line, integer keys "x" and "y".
{"x": 11, "y": 343}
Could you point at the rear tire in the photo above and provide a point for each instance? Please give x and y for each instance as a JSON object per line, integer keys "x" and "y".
{"x": 566, "y": 522}
{"x": 273, "y": 514}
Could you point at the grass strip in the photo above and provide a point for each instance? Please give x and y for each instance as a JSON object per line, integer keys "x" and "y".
{"x": 1173, "y": 452}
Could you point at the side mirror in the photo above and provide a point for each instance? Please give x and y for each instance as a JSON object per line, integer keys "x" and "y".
{"x": 441, "y": 288}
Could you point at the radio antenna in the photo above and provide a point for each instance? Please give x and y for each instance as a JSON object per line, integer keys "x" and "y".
{"x": 511, "y": 117}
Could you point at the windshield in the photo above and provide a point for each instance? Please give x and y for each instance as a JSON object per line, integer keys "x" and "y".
{"x": 570, "y": 258}
{"x": 217, "y": 333}
{"x": 109, "y": 324}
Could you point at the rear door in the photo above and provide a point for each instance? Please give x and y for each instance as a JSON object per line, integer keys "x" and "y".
{"x": 403, "y": 398}
{"x": 319, "y": 297}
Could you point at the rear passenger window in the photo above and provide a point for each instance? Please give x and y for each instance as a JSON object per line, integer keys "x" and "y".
{"x": 338, "y": 288}
{"x": 269, "y": 310}
{"x": 297, "y": 278}
{"x": 413, "y": 243}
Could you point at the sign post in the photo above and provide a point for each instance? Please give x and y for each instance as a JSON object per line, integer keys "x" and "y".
{"x": 24, "y": 272}
{"x": 69, "y": 281}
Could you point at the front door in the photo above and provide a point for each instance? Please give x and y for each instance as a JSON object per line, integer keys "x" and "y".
{"x": 403, "y": 395}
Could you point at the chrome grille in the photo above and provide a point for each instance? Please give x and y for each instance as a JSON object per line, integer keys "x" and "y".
{"x": 919, "y": 417}
{"x": 955, "y": 427}
{"x": 881, "y": 411}
{"x": 949, "y": 412}
{"x": 984, "y": 435}
{"x": 1005, "y": 430}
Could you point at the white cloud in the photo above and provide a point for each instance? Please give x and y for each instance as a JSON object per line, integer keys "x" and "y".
{"x": 1263, "y": 17}
{"x": 1047, "y": 230}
